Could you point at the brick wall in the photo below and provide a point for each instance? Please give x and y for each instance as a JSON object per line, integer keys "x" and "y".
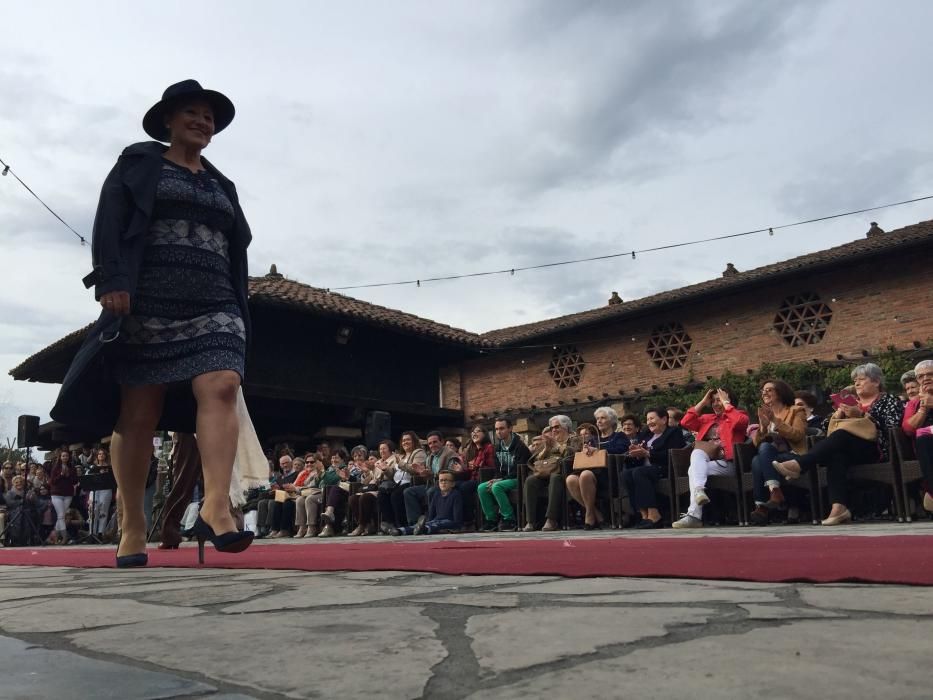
{"x": 874, "y": 305}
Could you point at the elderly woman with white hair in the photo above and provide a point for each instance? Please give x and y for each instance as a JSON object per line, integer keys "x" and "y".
{"x": 549, "y": 457}
{"x": 918, "y": 423}
{"x": 910, "y": 384}
{"x": 584, "y": 485}
{"x": 851, "y": 442}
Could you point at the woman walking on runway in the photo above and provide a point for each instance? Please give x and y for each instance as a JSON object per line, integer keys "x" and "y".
{"x": 168, "y": 351}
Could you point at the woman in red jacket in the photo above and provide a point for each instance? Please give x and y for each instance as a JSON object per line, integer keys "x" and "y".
{"x": 719, "y": 431}
{"x": 62, "y": 487}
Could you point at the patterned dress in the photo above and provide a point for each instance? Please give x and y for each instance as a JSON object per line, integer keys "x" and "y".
{"x": 185, "y": 318}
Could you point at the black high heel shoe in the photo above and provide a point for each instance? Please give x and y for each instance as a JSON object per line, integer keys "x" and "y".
{"x": 230, "y": 542}
{"x": 131, "y": 561}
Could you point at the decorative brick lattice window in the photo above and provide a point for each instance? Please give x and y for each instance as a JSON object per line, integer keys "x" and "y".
{"x": 566, "y": 366}
{"x": 669, "y": 346}
{"x": 803, "y": 319}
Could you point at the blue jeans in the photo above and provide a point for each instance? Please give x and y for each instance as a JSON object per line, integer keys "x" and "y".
{"x": 763, "y": 472}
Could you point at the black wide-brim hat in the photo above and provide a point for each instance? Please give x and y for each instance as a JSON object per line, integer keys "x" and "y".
{"x": 154, "y": 121}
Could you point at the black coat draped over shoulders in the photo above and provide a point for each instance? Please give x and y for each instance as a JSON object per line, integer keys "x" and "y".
{"x": 89, "y": 399}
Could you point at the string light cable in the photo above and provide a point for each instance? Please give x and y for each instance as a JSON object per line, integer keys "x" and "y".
{"x": 512, "y": 270}
{"x": 7, "y": 171}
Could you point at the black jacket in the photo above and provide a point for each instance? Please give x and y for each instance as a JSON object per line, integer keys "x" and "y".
{"x": 520, "y": 455}
{"x": 89, "y": 399}
{"x": 671, "y": 438}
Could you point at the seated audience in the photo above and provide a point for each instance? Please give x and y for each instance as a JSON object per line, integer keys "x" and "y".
{"x": 285, "y": 513}
{"x": 910, "y": 384}
{"x": 851, "y": 442}
{"x": 336, "y": 495}
{"x": 807, "y": 401}
{"x": 286, "y": 473}
{"x": 478, "y": 454}
{"x": 409, "y": 463}
{"x": 509, "y": 452}
{"x": 716, "y": 433}
{"x": 640, "y": 479}
{"x": 918, "y": 423}
{"x": 551, "y": 455}
{"x": 583, "y": 485}
{"x": 630, "y": 426}
{"x": 311, "y": 494}
{"x": 445, "y": 509}
{"x": 281, "y": 514}
{"x": 363, "y": 503}
{"x": 674, "y": 416}
{"x": 21, "y": 516}
{"x": 454, "y": 444}
{"x": 781, "y": 435}
{"x": 439, "y": 458}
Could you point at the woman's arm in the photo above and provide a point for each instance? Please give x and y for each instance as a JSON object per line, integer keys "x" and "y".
{"x": 886, "y": 411}
{"x": 796, "y": 429}
{"x": 915, "y": 413}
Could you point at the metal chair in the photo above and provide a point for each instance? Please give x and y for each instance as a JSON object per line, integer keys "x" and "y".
{"x": 908, "y": 466}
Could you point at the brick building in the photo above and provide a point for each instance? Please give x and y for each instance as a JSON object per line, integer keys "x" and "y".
{"x": 838, "y": 304}
{"x": 321, "y": 363}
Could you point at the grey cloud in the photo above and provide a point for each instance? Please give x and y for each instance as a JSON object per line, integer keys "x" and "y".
{"x": 622, "y": 72}
{"x": 865, "y": 180}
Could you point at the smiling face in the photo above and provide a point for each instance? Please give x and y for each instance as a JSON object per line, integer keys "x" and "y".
{"x": 912, "y": 389}
{"x": 629, "y": 428}
{"x": 407, "y": 443}
{"x": 767, "y": 394}
{"x": 384, "y": 451}
{"x": 656, "y": 423}
{"x": 191, "y": 124}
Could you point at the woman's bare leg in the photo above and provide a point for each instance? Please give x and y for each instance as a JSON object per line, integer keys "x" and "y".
{"x": 588, "y": 494}
{"x": 573, "y": 488}
{"x": 130, "y": 452}
{"x": 218, "y": 430}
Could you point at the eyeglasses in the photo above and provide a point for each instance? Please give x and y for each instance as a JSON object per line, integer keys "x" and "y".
{"x": 924, "y": 375}
{"x": 767, "y": 390}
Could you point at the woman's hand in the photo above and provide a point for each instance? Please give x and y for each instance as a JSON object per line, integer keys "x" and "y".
{"x": 707, "y": 399}
{"x": 850, "y": 411}
{"x": 723, "y": 397}
{"x": 117, "y": 303}
{"x": 765, "y": 416}
{"x": 589, "y": 449}
{"x": 637, "y": 451}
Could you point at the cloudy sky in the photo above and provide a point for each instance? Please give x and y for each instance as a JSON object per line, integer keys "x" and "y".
{"x": 389, "y": 141}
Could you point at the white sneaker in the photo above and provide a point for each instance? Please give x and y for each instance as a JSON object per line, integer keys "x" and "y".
{"x": 686, "y": 522}
{"x": 700, "y": 497}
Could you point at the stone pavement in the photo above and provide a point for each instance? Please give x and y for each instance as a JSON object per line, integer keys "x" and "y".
{"x": 220, "y": 634}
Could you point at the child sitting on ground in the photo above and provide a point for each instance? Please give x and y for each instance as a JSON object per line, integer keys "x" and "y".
{"x": 445, "y": 509}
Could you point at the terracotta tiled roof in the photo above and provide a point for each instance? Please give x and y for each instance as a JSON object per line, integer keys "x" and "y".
{"x": 51, "y": 363}
{"x": 907, "y": 237}
{"x": 277, "y": 290}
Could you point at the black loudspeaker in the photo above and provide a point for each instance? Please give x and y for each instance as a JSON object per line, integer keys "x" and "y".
{"x": 27, "y": 431}
{"x": 378, "y": 428}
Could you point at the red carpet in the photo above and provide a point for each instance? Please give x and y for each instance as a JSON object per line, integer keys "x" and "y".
{"x": 823, "y": 559}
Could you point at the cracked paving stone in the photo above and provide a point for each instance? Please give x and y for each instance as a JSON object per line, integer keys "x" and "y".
{"x": 324, "y": 593}
{"x": 38, "y": 590}
{"x": 505, "y": 641}
{"x": 585, "y": 586}
{"x": 135, "y": 588}
{"x": 472, "y": 581}
{"x": 35, "y": 672}
{"x": 376, "y": 575}
{"x": 901, "y": 600}
{"x": 271, "y": 575}
{"x": 682, "y": 595}
{"x": 347, "y": 653}
{"x": 216, "y": 595}
{"x": 72, "y": 613}
{"x": 781, "y": 612}
{"x": 476, "y": 601}
{"x": 825, "y": 659}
